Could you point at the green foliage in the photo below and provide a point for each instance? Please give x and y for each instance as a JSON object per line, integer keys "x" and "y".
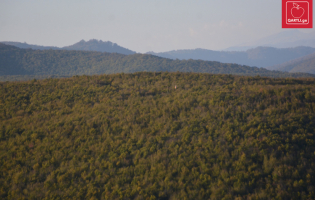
{"x": 134, "y": 136}
{"x": 15, "y": 61}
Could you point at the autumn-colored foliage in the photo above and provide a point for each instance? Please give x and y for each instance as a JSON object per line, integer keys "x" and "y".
{"x": 134, "y": 136}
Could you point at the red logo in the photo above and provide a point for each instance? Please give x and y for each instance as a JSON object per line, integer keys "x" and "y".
{"x": 297, "y": 14}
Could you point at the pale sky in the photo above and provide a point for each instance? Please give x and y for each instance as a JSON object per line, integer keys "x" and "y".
{"x": 140, "y": 25}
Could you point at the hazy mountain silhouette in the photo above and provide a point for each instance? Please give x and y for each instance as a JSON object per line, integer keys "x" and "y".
{"x": 284, "y": 39}
{"x": 304, "y": 64}
{"x": 29, "y": 62}
{"x": 266, "y": 57}
{"x": 259, "y": 57}
{"x": 91, "y": 45}
{"x": 30, "y": 46}
{"x": 99, "y": 45}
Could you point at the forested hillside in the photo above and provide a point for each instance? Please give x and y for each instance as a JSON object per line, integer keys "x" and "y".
{"x": 134, "y": 136}
{"x": 261, "y": 56}
{"x": 16, "y": 61}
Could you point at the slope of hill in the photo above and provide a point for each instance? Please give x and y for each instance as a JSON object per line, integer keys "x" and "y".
{"x": 16, "y": 61}
{"x": 100, "y": 46}
{"x": 259, "y": 57}
{"x": 29, "y": 46}
{"x": 265, "y": 57}
{"x": 304, "y": 64}
{"x": 134, "y": 136}
{"x": 91, "y": 45}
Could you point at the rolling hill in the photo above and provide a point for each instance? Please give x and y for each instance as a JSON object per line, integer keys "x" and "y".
{"x": 265, "y": 57}
{"x": 16, "y": 61}
{"x": 91, "y": 45}
{"x": 259, "y": 57}
{"x": 29, "y": 46}
{"x": 304, "y": 64}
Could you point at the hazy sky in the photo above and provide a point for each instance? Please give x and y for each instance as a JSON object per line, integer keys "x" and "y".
{"x": 140, "y": 25}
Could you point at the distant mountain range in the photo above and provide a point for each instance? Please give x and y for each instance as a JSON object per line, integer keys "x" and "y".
{"x": 259, "y": 57}
{"x": 303, "y": 64}
{"x": 266, "y": 57}
{"x": 284, "y": 39}
{"x": 27, "y": 62}
{"x": 91, "y": 45}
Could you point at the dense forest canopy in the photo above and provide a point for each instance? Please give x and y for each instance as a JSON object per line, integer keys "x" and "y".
{"x": 134, "y": 136}
{"x": 27, "y": 62}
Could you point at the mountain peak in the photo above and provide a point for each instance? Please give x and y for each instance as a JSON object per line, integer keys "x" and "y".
{"x": 99, "y": 45}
